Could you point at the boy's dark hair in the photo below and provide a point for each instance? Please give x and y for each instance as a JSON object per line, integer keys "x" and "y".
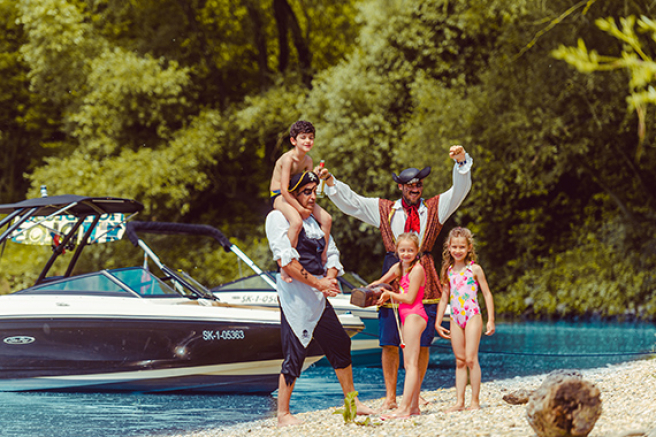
{"x": 301, "y": 126}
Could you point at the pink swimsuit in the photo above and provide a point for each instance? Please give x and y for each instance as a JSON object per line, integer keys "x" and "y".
{"x": 416, "y": 307}
{"x": 464, "y": 290}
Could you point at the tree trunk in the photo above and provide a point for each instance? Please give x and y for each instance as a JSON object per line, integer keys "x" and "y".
{"x": 259, "y": 40}
{"x": 288, "y": 22}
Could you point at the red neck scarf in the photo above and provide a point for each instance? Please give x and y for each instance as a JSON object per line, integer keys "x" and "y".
{"x": 412, "y": 219}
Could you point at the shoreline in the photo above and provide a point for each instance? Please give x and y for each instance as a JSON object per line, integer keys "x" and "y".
{"x": 628, "y": 393}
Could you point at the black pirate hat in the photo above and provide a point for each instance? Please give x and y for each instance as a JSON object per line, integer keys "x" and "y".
{"x": 411, "y": 175}
{"x": 302, "y": 179}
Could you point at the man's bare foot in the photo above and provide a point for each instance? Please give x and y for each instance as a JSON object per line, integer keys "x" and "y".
{"x": 363, "y": 410}
{"x": 454, "y": 409}
{"x": 288, "y": 420}
{"x": 285, "y": 277}
{"x": 474, "y": 406}
{"x": 389, "y": 405}
{"x": 423, "y": 402}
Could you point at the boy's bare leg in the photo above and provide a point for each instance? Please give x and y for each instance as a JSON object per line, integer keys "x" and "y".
{"x": 326, "y": 222}
{"x": 295, "y": 226}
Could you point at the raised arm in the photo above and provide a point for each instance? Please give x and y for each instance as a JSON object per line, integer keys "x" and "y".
{"x": 351, "y": 203}
{"x": 451, "y": 199}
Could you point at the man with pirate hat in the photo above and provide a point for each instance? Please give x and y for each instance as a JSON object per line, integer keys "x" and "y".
{"x": 306, "y": 314}
{"x": 410, "y": 213}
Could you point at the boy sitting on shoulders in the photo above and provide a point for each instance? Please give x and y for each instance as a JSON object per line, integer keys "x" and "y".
{"x": 297, "y": 160}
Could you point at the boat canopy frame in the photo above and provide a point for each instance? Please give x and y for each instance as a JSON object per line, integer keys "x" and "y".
{"x": 81, "y": 207}
{"x": 167, "y": 228}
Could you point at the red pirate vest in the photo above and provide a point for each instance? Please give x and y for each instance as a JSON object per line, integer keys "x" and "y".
{"x": 433, "y": 290}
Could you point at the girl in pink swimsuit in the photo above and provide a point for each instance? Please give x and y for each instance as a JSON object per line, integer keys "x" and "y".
{"x": 413, "y": 316}
{"x": 461, "y": 279}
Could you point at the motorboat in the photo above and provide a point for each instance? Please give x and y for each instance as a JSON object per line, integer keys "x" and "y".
{"x": 259, "y": 289}
{"x": 126, "y": 329}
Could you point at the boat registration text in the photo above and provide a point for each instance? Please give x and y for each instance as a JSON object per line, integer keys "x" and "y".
{"x": 236, "y": 334}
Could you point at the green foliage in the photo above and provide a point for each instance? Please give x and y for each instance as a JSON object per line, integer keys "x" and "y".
{"x": 150, "y": 115}
{"x": 350, "y": 411}
{"x": 634, "y": 58}
{"x": 26, "y": 119}
{"x": 21, "y": 266}
{"x": 588, "y": 279}
{"x": 60, "y": 45}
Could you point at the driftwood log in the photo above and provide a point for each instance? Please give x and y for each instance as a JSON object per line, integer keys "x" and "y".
{"x": 518, "y": 397}
{"x": 564, "y": 406}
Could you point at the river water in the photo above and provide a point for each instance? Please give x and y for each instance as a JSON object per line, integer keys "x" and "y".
{"x": 517, "y": 349}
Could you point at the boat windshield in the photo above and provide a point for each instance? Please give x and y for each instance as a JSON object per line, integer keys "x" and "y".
{"x": 142, "y": 282}
{"x": 254, "y": 282}
{"x": 346, "y": 283}
{"x": 194, "y": 283}
{"x": 97, "y": 283}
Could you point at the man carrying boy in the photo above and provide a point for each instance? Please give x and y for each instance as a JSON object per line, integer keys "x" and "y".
{"x": 297, "y": 160}
{"x": 410, "y": 213}
{"x": 306, "y": 314}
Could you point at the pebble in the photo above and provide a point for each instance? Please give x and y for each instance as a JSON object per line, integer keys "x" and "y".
{"x": 628, "y": 393}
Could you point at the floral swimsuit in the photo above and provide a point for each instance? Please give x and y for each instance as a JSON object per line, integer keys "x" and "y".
{"x": 464, "y": 290}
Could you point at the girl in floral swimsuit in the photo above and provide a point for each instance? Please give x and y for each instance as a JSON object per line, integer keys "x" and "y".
{"x": 461, "y": 279}
{"x": 413, "y": 316}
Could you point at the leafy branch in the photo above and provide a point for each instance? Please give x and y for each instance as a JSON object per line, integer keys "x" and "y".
{"x": 350, "y": 411}
{"x": 640, "y": 65}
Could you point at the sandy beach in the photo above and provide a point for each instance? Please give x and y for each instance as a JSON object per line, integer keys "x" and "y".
{"x": 628, "y": 393}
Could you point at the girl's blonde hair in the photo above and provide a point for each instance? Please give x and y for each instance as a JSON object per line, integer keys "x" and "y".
{"x": 447, "y": 259}
{"x": 411, "y": 236}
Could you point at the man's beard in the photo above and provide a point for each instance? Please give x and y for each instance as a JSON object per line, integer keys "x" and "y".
{"x": 408, "y": 202}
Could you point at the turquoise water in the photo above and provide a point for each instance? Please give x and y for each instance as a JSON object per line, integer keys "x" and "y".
{"x": 515, "y": 350}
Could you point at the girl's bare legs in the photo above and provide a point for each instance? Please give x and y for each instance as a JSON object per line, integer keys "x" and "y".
{"x": 465, "y": 348}
{"x": 412, "y": 328}
{"x": 473, "y": 332}
{"x": 458, "y": 345}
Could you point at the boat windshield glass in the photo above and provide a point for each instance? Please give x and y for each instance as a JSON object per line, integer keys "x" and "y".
{"x": 142, "y": 282}
{"x": 254, "y": 282}
{"x": 192, "y": 281}
{"x": 91, "y": 284}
